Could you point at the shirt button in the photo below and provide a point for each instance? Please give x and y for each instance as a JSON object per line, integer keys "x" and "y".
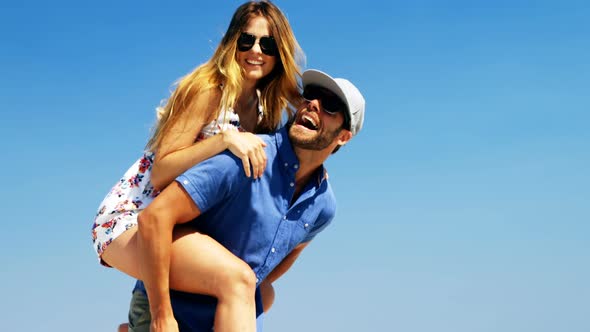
{"x": 291, "y": 184}
{"x": 185, "y": 181}
{"x": 272, "y": 250}
{"x": 285, "y": 217}
{"x": 286, "y": 164}
{"x": 295, "y": 166}
{"x": 306, "y": 225}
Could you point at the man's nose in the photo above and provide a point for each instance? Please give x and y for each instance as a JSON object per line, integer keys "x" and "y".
{"x": 314, "y": 105}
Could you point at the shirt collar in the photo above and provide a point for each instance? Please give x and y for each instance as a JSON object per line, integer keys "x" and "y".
{"x": 286, "y": 154}
{"x": 289, "y": 159}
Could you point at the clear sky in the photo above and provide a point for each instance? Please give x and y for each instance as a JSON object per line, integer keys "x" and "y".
{"x": 464, "y": 203}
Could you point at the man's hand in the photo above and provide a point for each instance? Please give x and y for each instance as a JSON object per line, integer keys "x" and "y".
{"x": 164, "y": 323}
{"x": 267, "y": 292}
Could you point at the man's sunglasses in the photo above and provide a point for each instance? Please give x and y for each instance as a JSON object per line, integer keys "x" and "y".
{"x": 331, "y": 104}
{"x": 268, "y": 45}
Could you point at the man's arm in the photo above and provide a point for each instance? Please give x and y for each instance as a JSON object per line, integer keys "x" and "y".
{"x": 286, "y": 263}
{"x": 266, "y": 288}
{"x": 155, "y": 225}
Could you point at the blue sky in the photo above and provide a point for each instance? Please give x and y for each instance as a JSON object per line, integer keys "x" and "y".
{"x": 463, "y": 204}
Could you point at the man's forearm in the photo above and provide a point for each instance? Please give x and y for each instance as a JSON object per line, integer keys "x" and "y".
{"x": 286, "y": 263}
{"x": 154, "y": 243}
{"x": 155, "y": 226}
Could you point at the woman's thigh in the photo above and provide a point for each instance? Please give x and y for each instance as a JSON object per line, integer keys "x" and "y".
{"x": 198, "y": 263}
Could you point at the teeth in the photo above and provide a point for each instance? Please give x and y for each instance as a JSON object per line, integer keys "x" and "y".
{"x": 254, "y": 62}
{"x": 312, "y": 121}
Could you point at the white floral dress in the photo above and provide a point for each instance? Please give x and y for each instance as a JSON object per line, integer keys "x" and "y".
{"x": 134, "y": 191}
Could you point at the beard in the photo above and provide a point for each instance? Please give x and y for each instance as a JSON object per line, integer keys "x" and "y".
{"x": 321, "y": 140}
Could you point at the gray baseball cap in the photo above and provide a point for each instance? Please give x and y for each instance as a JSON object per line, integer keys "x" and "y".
{"x": 345, "y": 90}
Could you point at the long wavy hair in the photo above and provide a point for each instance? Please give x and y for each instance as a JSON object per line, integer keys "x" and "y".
{"x": 280, "y": 89}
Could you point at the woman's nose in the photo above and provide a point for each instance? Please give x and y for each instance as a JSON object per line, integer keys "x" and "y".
{"x": 256, "y": 47}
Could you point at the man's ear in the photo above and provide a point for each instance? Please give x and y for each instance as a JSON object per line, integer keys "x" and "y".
{"x": 344, "y": 136}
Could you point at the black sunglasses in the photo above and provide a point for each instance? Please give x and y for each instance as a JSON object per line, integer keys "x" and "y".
{"x": 331, "y": 104}
{"x": 268, "y": 45}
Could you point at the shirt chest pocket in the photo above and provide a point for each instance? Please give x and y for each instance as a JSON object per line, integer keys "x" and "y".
{"x": 301, "y": 223}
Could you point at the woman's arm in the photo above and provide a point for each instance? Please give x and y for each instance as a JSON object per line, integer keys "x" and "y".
{"x": 178, "y": 151}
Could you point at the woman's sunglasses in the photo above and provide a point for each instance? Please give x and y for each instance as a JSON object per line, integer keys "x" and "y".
{"x": 331, "y": 104}
{"x": 268, "y": 45}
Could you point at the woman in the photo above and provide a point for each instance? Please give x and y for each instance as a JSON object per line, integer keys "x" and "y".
{"x": 243, "y": 88}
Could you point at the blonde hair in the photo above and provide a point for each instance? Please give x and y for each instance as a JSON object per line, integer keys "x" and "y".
{"x": 279, "y": 89}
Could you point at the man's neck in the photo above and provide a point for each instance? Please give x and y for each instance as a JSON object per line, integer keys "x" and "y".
{"x": 309, "y": 162}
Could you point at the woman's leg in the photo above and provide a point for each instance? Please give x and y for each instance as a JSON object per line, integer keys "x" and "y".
{"x": 267, "y": 293}
{"x": 198, "y": 264}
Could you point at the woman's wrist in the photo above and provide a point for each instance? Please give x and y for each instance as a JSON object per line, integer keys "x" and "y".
{"x": 226, "y": 137}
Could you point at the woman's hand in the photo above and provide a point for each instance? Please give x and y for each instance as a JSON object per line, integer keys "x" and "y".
{"x": 249, "y": 148}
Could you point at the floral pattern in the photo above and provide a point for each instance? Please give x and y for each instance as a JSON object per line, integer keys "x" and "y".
{"x": 134, "y": 191}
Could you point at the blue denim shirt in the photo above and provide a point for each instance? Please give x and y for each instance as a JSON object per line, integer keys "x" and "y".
{"x": 254, "y": 219}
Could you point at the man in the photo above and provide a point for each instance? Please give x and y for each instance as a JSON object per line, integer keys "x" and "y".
{"x": 269, "y": 221}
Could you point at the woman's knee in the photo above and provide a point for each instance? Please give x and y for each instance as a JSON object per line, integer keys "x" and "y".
{"x": 238, "y": 279}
